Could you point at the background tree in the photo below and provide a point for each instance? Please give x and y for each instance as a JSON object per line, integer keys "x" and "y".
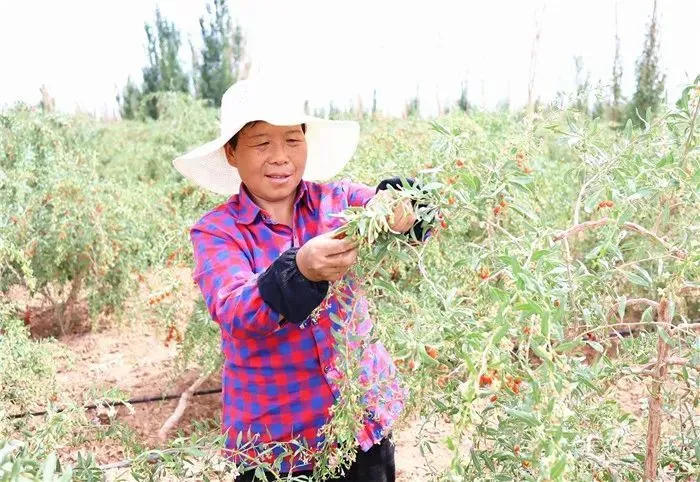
{"x": 221, "y": 55}
{"x": 129, "y": 100}
{"x": 463, "y": 101}
{"x": 616, "y": 88}
{"x": 47, "y": 103}
{"x": 374, "y": 103}
{"x": 650, "y": 82}
{"x": 164, "y": 73}
{"x": 412, "y": 105}
{"x": 583, "y": 86}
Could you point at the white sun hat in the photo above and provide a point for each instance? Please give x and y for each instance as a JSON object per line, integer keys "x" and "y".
{"x": 330, "y": 143}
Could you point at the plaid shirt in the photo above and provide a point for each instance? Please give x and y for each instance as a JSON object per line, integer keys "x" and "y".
{"x": 279, "y": 377}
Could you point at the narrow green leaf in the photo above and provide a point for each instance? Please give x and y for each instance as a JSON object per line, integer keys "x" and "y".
{"x": 666, "y": 160}
{"x": 671, "y": 309}
{"x": 622, "y": 307}
{"x": 526, "y": 417}
{"x": 475, "y": 461}
{"x": 433, "y": 186}
{"x": 665, "y": 337}
{"x": 487, "y": 460}
{"x": 49, "y": 469}
{"x": 500, "y": 334}
{"x": 558, "y": 468}
{"x": 529, "y": 307}
{"x": 521, "y": 181}
{"x": 642, "y": 193}
{"x": 636, "y": 279}
{"x": 592, "y": 201}
{"x": 525, "y": 212}
{"x": 568, "y": 346}
{"x": 544, "y": 325}
{"x": 596, "y": 346}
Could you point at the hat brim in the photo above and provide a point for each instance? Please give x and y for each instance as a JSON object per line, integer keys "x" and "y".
{"x": 330, "y": 145}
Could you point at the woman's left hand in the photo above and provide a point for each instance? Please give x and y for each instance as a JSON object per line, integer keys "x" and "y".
{"x": 402, "y": 218}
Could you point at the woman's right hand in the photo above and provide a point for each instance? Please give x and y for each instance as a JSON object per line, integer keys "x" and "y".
{"x": 326, "y": 257}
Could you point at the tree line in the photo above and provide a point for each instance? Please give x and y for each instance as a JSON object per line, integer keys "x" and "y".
{"x": 220, "y": 62}
{"x": 215, "y": 66}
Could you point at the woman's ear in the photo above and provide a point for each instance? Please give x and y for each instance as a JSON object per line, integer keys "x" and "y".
{"x": 230, "y": 155}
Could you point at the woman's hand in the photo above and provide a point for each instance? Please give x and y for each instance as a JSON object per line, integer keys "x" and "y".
{"x": 326, "y": 257}
{"x": 402, "y": 218}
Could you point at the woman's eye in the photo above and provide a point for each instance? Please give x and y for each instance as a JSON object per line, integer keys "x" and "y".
{"x": 294, "y": 141}
{"x": 262, "y": 144}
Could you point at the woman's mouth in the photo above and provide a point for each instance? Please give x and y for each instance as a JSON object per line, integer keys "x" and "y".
{"x": 278, "y": 178}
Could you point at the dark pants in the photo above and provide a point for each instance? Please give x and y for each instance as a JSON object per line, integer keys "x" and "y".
{"x": 375, "y": 465}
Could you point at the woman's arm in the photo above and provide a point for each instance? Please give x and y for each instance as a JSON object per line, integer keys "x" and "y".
{"x": 244, "y": 303}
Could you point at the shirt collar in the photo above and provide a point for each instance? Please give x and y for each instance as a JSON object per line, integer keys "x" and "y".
{"x": 248, "y": 211}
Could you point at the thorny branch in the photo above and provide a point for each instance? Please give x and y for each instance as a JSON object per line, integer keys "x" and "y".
{"x": 676, "y": 252}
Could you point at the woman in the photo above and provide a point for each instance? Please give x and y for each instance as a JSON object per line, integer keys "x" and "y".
{"x": 264, "y": 260}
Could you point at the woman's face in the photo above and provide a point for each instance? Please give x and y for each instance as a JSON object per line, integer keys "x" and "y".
{"x": 270, "y": 160}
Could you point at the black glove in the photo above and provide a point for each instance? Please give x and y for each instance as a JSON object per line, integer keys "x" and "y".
{"x": 420, "y": 229}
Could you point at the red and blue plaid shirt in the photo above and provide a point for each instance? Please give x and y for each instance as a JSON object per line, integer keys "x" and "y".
{"x": 280, "y": 378}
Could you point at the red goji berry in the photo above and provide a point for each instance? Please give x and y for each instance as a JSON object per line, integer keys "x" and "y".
{"x": 431, "y": 351}
{"x": 485, "y": 380}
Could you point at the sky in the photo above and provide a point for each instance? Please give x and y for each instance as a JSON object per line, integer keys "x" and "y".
{"x": 84, "y": 50}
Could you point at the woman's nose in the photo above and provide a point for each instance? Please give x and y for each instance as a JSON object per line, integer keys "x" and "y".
{"x": 279, "y": 154}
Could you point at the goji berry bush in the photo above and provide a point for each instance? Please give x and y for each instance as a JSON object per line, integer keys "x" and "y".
{"x": 563, "y": 264}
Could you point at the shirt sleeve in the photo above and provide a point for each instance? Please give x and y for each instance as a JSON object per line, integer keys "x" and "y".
{"x": 358, "y": 194}
{"x": 225, "y": 276}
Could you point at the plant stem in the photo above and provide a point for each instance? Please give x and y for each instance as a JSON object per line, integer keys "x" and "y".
{"x": 676, "y": 252}
{"x": 579, "y": 199}
{"x": 691, "y": 134}
{"x": 572, "y": 299}
{"x": 632, "y": 302}
{"x": 656, "y": 399}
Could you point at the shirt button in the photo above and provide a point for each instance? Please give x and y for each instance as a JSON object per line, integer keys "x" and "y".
{"x": 326, "y": 369}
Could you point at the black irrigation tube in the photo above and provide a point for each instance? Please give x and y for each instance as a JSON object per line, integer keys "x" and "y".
{"x": 210, "y": 391}
{"x": 147, "y": 399}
